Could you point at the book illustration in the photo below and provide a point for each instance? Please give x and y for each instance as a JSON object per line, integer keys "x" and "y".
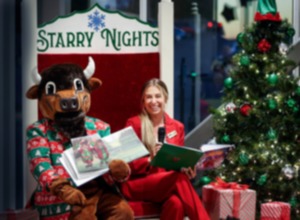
{"x": 174, "y": 157}
{"x": 123, "y": 144}
{"x": 214, "y": 155}
{"x": 90, "y": 153}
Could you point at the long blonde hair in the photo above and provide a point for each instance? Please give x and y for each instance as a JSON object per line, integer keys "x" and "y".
{"x": 148, "y": 137}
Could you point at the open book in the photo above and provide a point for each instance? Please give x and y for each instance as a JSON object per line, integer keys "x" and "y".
{"x": 123, "y": 144}
{"x": 174, "y": 157}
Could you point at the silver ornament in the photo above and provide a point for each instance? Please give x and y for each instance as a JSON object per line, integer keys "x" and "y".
{"x": 230, "y": 107}
{"x": 288, "y": 171}
{"x": 283, "y": 48}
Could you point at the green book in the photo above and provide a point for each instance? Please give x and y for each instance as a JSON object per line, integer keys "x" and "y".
{"x": 209, "y": 156}
{"x": 172, "y": 157}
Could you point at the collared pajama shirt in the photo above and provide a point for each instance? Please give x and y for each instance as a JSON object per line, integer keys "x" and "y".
{"x": 174, "y": 135}
{"x": 45, "y": 144}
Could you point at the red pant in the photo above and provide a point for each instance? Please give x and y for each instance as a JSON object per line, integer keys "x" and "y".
{"x": 173, "y": 189}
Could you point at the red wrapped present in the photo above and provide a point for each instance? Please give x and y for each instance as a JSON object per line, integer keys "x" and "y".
{"x": 223, "y": 199}
{"x": 275, "y": 211}
{"x": 21, "y": 214}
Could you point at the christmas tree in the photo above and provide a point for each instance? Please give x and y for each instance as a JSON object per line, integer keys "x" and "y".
{"x": 261, "y": 113}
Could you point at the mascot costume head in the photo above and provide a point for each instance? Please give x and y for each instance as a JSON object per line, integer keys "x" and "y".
{"x": 63, "y": 92}
{"x": 64, "y": 98}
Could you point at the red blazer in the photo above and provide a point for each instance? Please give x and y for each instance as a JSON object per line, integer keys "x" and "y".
{"x": 174, "y": 135}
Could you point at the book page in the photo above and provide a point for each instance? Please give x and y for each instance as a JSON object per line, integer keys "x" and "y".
{"x": 125, "y": 145}
{"x": 90, "y": 153}
{"x": 213, "y": 147}
{"x": 69, "y": 154}
{"x": 68, "y": 162}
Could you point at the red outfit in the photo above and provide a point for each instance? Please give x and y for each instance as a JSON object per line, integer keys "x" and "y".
{"x": 172, "y": 189}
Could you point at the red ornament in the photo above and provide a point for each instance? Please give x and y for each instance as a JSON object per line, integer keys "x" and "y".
{"x": 245, "y": 109}
{"x": 264, "y": 46}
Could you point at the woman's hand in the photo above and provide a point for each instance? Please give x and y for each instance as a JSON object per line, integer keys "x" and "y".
{"x": 156, "y": 148}
{"x": 191, "y": 173}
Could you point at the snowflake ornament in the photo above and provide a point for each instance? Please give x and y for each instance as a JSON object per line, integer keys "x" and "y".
{"x": 96, "y": 20}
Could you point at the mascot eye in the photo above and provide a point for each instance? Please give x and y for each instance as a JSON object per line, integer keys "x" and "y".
{"x": 78, "y": 84}
{"x": 50, "y": 88}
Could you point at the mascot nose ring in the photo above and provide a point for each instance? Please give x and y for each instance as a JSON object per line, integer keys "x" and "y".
{"x": 69, "y": 104}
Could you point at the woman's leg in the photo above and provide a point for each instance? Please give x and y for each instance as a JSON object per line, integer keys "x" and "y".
{"x": 161, "y": 186}
{"x": 172, "y": 208}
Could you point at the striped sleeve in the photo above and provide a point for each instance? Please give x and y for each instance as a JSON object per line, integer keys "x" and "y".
{"x": 38, "y": 152}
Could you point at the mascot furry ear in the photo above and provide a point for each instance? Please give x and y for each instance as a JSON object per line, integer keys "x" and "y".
{"x": 64, "y": 98}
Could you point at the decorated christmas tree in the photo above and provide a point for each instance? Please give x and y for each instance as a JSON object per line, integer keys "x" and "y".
{"x": 261, "y": 112}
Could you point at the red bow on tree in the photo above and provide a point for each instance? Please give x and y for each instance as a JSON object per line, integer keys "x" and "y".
{"x": 264, "y": 46}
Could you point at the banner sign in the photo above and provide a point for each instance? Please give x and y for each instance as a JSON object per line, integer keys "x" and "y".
{"x": 125, "y": 51}
{"x": 97, "y": 31}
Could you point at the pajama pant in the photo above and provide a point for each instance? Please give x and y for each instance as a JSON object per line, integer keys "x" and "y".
{"x": 173, "y": 189}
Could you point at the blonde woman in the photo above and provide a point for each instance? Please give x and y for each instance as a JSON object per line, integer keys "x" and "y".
{"x": 171, "y": 189}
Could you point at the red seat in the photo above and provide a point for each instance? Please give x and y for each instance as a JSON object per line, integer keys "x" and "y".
{"x": 145, "y": 209}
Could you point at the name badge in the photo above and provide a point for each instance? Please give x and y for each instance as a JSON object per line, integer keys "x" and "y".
{"x": 172, "y": 134}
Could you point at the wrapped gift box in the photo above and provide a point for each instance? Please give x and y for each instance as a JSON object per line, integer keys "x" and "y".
{"x": 275, "y": 211}
{"x": 221, "y": 203}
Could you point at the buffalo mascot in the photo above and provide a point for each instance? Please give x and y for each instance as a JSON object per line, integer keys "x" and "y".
{"x": 63, "y": 93}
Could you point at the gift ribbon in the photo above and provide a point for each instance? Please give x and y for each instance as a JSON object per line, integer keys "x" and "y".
{"x": 221, "y": 184}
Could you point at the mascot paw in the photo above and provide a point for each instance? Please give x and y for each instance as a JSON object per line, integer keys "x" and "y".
{"x": 62, "y": 188}
{"x": 88, "y": 211}
{"x": 119, "y": 170}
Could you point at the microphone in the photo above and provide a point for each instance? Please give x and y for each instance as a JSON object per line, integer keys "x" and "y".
{"x": 161, "y": 134}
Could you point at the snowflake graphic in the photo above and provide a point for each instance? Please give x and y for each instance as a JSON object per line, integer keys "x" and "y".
{"x": 96, "y": 21}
